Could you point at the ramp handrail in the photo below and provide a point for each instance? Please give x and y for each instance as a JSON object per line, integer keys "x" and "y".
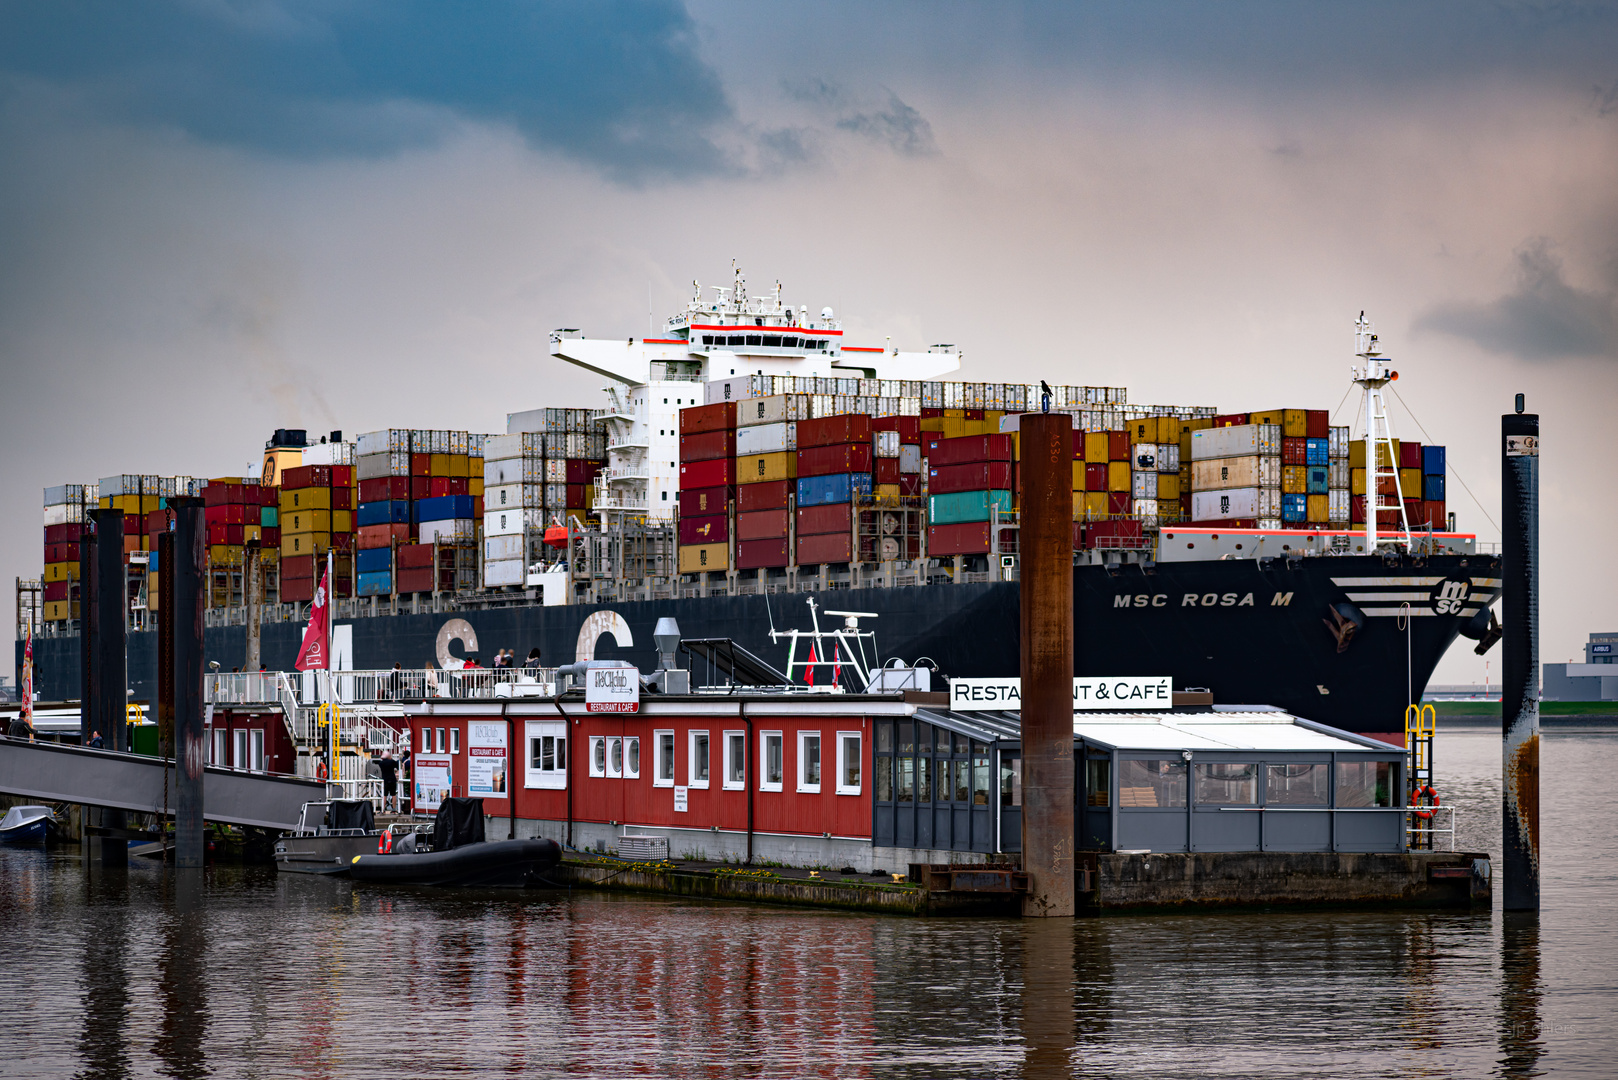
{"x": 291, "y": 692}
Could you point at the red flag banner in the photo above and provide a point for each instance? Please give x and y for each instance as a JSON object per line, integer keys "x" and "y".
{"x": 809, "y": 672}
{"x": 312, "y": 656}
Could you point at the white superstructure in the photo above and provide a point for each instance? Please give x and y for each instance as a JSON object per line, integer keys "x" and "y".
{"x": 732, "y": 334}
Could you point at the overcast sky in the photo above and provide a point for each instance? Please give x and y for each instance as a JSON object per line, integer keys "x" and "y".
{"x": 220, "y": 217}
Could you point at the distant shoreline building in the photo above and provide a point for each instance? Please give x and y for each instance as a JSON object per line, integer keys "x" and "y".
{"x": 1594, "y": 680}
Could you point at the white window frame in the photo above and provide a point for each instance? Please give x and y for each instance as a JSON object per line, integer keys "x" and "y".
{"x": 598, "y": 756}
{"x": 631, "y": 774}
{"x": 454, "y": 740}
{"x": 442, "y": 742}
{"x": 658, "y": 780}
{"x": 556, "y": 776}
{"x": 691, "y": 758}
{"x": 615, "y": 749}
{"x": 731, "y": 760}
{"x": 803, "y": 760}
{"x": 859, "y": 743}
{"x": 220, "y": 749}
{"x": 255, "y": 750}
{"x": 764, "y": 781}
{"x": 238, "y": 749}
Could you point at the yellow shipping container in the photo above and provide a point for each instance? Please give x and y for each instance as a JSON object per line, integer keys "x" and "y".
{"x": 304, "y": 543}
{"x": 1356, "y": 481}
{"x": 129, "y": 504}
{"x": 1095, "y": 447}
{"x": 61, "y": 571}
{"x": 301, "y": 521}
{"x": 1078, "y": 476}
{"x": 59, "y": 610}
{"x": 1168, "y": 487}
{"x": 1118, "y": 476}
{"x": 1294, "y": 423}
{"x": 1294, "y": 480}
{"x": 311, "y": 498}
{"x": 251, "y": 533}
{"x": 342, "y": 521}
{"x": 933, "y": 424}
{"x": 1272, "y": 417}
{"x": 1095, "y": 505}
{"x": 589, "y": 495}
{"x": 954, "y": 427}
{"x": 154, "y": 592}
{"x": 697, "y": 558}
{"x": 1410, "y": 483}
{"x": 1319, "y": 508}
{"x": 955, "y": 414}
{"x": 438, "y": 464}
{"x": 1356, "y": 454}
{"x": 224, "y": 554}
{"x": 760, "y": 468}
{"x": 474, "y": 486}
{"x": 887, "y": 494}
{"x": 460, "y": 465}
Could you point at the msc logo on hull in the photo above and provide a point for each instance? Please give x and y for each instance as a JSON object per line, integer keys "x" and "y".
{"x": 1229, "y": 599}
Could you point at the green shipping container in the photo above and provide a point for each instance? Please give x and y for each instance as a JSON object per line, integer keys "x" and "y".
{"x": 267, "y": 517}
{"x": 960, "y": 506}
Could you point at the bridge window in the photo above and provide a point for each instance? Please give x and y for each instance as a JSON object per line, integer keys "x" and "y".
{"x": 736, "y": 339}
{"x": 789, "y": 342}
{"x": 755, "y": 339}
{"x": 772, "y": 341}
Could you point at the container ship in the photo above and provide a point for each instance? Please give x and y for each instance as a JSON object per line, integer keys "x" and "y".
{"x": 750, "y": 455}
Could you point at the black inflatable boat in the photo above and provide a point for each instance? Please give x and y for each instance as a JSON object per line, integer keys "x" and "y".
{"x": 460, "y": 855}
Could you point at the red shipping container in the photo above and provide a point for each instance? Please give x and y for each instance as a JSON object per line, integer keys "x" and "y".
{"x": 55, "y": 553}
{"x": 834, "y": 430}
{"x": 753, "y": 554}
{"x": 831, "y": 518}
{"x": 762, "y": 525}
{"x": 583, "y": 470}
{"x": 301, "y": 566}
{"x": 712, "y": 529}
{"x": 381, "y": 536}
{"x": 227, "y": 514}
{"x": 216, "y": 532}
{"x": 908, "y": 427}
{"x": 1230, "y": 419}
{"x": 297, "y": 590}
{"x": 384, "y": 489}
{"x": 965, "y": 538}
{"x": 706, "y": 445}
{"x": 887, "y": 470}
{"x": 477, "y": 506}
{"x": 68, "y": 533}
{"x": 269, "y": 496}
{"x": 909, "y": 484}
{"x": 978, "y": 476}
{"x": 701, "y": 501}
{"x": 252, "y": 515}
{"x": 421, "y": 487}
{"x": 928, "y": 412}
{"x": 416, "y": 579}
{"x": 1117, "y": 502}
{"x": 716, "y": 472}
{"x": 716, "y": 417}
{"x": 968, "y": 449}
{"x": 825, "y": 548}
{"x": 1433, "y": 510}
{"x": 156, "y": 521}
{"x": 974, "y": 414}
{"x": 1078, "y": 444}
{"x": 57, "y": 590}
{"x": 770, "y": 495}
{"x": 1318, "y": 423}
{"x": 307, "y": 476}
{"x": 458, "y": 485}
{"x": 413, "y": 556}
{"x": 342, "y": 475}
{"x": 421, "y": 464}
{"x": 342, "y": 498}
{"x": 575, "y": 496}
{"x": 1095, "y": 476}
{"x": 270, "y": 536}
{"x": 1122, "y": 529}
{"x": 1410, "y": 455}
{"x": 438, "y": 486}
{"x": 830, "y": 460}
{"x": 1294, "y": 450}
{"x": 1118, "y": 446}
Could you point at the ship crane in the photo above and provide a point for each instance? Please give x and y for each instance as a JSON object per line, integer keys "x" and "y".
{"x": 1371, "y": 378}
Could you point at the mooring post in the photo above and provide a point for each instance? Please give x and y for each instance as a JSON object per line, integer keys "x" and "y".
{"x": 185, "y": 608}
{"x": 103, "y": 625}
{"x": 1046, "y": 598}
{"x": 1519, "y": 687}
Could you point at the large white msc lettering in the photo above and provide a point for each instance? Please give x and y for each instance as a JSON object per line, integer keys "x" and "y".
{"x": 1118, "y": 692}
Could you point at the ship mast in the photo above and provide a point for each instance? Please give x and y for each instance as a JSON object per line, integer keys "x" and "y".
{"x": 1371, "y": 379}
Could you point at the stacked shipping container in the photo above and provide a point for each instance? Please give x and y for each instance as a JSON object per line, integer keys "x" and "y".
{"x": 65, "y": 508}
{"x": 708, "y": 476}
{"x": 534, "y": 479}
{"x": 970, "y": 480}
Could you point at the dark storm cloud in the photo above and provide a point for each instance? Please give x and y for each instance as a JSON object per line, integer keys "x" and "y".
{"x": 1545, "y": 318}
{"x": 894, "y": 123}
{"x": 619, "y": 85}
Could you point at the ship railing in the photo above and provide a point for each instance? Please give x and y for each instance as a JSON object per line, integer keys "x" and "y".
{"x": 299, "y": 692}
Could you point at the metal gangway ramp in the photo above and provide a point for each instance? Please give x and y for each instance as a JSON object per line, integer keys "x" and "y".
{"x": 53, "y": 772}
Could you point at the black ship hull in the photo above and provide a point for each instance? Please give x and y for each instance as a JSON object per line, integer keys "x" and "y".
{"x": 1327, "y": 638}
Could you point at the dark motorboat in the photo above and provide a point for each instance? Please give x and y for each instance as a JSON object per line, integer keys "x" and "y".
{"x": 27, "y": 825}
{"x": 460, "y": 855}
{"x": 328, "y": 836}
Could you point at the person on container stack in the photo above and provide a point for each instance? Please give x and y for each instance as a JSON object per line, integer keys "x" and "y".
{"x": 390, "y": 782}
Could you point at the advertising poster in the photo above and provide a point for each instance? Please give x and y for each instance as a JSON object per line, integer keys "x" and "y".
{"x": 486, "y": 760}
{"x": 431, "y": 778}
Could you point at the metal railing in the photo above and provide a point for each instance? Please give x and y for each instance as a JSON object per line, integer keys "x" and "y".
{"x": 299, "y": 691}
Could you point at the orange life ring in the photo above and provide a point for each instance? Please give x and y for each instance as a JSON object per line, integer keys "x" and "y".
{"x": 384, "y": 842}
{"x": 320, "y": 768}
{"x": 1427, "y": 791}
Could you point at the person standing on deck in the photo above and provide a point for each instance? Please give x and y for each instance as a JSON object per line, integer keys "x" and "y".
{"x": 389, "y": 769}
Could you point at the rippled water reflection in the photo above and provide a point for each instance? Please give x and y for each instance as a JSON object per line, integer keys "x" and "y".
{"x": 245, "y": 974}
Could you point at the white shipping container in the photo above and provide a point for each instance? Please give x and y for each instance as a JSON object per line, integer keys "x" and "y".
{"x": 767, "y": 438}
{"x": 506, "y": 522}
{"x": 125, "y": 484}
{"x": 1226, "y": 474}
{"x": 504, "y": 546}
{"x": 500, "y": 447}
{"x": 1251, "y": 502}
{"x": 450, "y": 529}
{"x": 58, "y": 494}
{"x": 501, "y": 572}
{"x": 1235, "y": 441}
{"x": 909, "y": 458}
{"x": 886, "y": 443}
{"x": 64, "y": 514}
{"x": 556, "y": 470}
{"x": 1168, "y": 457}
{"x": 523, "y": 470}
{"x": 1146, "y": 510}
{"x": 736, "y": 388}
{"x": 1337, "y": 506}
{"x": 1143, "y": 456}
{"x": 1143, "y": 485}
{"x": 513, "y": 496}
{"x": 374, "y": 466}
{"x": 1271, "y": 523}
{"x": 1337, "y": 473}
{"x": 1337, "y": 442}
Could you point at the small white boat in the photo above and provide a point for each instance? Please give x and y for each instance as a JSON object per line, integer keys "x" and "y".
{"x": 27, "y": 824}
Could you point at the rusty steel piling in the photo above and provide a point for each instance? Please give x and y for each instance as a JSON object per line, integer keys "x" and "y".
{"x": 1046, "y": 597}
{"x": 1519, "y": 688}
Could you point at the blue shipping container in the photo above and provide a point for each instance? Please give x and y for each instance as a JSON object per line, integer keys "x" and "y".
{"x": 395, "y": 512}
{"x": 1317, "y": 479}
{"x": 836, "y": 488}
{"x": 267, "y": 517}
{"x": 1294, "y": 508}
{"x": 373, "y": 560}
{"x": 1432, "y": 486}
{"x": 379, "y": 583}
{"x": 1432, "y": 460}
{"x": 963, "y": 506}
{"x": 1317, "y": 452}
{"x": 444, "y": 508}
